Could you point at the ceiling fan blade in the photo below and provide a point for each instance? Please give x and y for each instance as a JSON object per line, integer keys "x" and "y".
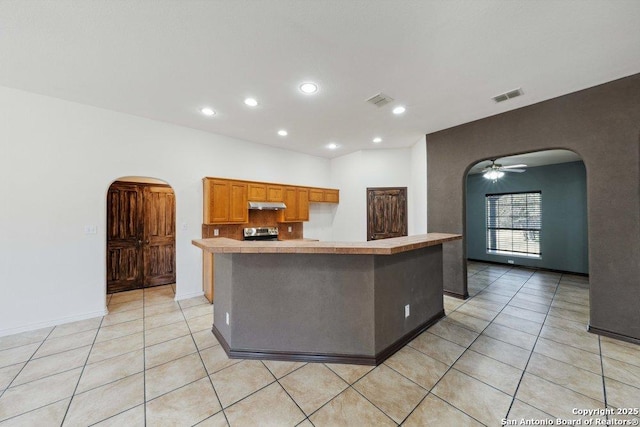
{"x": 514, "y": 170}
{"x": 514, "y": 166}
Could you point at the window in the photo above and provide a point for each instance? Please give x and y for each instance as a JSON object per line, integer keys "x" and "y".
{"x": 514, "y": 224}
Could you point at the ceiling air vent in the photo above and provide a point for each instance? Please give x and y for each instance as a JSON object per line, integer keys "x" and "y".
{"x": 508, "y": 95}
{"x": 380, "y": 99}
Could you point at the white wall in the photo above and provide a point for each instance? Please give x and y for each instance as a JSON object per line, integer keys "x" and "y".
{"x": 57, "y": 160}
{"x": 355, "y": 172}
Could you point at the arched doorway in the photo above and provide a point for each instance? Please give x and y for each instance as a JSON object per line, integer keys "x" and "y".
{"x": 141, "y": 230}
{"x": 528, "y": 210}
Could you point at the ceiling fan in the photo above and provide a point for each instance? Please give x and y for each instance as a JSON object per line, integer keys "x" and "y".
{"x": 496, "y": 171}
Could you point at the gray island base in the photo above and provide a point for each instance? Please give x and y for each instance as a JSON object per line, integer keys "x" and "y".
{"x": 308, "y": 302}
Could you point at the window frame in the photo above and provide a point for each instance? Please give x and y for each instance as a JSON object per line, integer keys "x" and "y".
{"x": 489, "y": 228}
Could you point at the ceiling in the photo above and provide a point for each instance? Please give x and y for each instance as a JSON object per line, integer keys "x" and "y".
{"x": 443, "y": 60}
{"x": 538, "y": 158}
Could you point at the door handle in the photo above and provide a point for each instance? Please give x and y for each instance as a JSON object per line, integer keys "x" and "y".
{"x": 139, "y": 242}
{"x": 146, "y": 242}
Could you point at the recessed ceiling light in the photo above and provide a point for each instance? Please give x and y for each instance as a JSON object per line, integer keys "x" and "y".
{"x": 207, "y": 111}
{"x": 399, "y": 110}
{"x": 283, "y": 132}
{"x": 251, "y": 102}
{"x": 332, "y": 146}
{"x": 377, "y": 139}
{"x": 309, "y": 88}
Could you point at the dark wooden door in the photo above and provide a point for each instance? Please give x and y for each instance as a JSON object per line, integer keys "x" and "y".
{"x": 140, "y": 236}
{"x": 386, "y": 213}
{"x": 124, "y": 237}
{"x": 160, "y": 236}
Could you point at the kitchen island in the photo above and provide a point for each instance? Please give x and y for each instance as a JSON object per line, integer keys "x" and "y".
{"x": 346, "y": 302}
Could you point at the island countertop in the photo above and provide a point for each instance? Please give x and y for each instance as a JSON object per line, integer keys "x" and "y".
{"x": 375, "y": 247}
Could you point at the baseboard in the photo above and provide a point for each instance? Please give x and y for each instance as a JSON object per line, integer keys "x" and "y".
{"x": 180, "y": 297}
{"x": 456, "y": 295}
{"x": 353, "y": 359}
{"x": 615, "y": 335}
{"x": 407, "y": 338}
{"x": 54, "y": 322}
{"x": 575, "y": 273}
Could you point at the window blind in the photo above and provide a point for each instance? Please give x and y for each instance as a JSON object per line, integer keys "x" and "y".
{"x": 514, "y": 223}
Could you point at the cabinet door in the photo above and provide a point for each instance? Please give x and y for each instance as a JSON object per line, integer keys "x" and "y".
{"x": 219, "y": 194}
{"x": 291, "y": 200}
{"x": 316, "y": 195}
{"x": 331, "y": 196}
{"x": 238, "y": 209}
{"x": 257, "y": 192}
{"x": 303, "y": 204}
{"x": 275, "y": 193}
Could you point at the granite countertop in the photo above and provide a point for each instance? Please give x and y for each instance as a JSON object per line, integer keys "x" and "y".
{"x": 375, "y": 247}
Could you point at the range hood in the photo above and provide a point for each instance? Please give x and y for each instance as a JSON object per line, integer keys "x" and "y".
{"x": 267, "y": 206}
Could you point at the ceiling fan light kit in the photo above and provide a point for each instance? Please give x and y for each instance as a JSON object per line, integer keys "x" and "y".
{"x": 496, "y": 171}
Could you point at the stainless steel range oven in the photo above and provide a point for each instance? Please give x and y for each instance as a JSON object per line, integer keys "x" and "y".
{"x": 261, "y": 233}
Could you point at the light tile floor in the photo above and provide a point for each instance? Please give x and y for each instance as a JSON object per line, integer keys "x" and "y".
{"x": 518, "y": 348}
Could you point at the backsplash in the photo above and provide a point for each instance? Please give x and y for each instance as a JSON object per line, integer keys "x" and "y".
{"x": 257, "y": 218}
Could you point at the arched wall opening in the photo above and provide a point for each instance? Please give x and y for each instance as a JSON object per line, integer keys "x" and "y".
{"x": 140, "y": 234}
{"x": 602, "y": 125}
{"x": 528, "y": 210}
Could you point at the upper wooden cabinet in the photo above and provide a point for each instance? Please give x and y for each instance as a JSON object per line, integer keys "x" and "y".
{"x": 257, "y": 192}
{"x": 297, "y": 201}
{"x": 323, "y": 195}
{"x": 261, "y": 192}
{"x": 275, "y": 193}
{"x": 225, "y": 201}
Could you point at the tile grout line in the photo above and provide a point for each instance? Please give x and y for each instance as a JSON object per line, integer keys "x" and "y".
{"x": 306, "y": 417}
{"x": 144, "y": 357}
{"x": 458, "y": 358}
{"x": 524, "y": 370}
{"x": 26, "y": 362}
{"x": 204, "y": 366}
{"x": 73, "y": 395}
{"x": 20, "y": 371}
{"x": 604, "y": 383}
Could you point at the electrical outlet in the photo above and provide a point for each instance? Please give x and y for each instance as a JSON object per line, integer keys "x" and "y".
{"x": 90, "y": 229}
{"x": 185, "y": 226}
{"x": 290, "y": 229}
{"x": 216, "y": 232}
{"x": 510, "y": 261}
{"x": 406, "y": 310}
{"x": 227, "y": 318}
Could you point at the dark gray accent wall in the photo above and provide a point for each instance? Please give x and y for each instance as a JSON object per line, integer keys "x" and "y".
{"x": 602, "y": 125}
{"x": 563, "y": 240}
{"x": 414, "y": 278}
{"x": 326, "y": 304}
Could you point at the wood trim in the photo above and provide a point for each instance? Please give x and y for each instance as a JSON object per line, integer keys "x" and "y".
{"x": 327, "y": 357}
{"x": 615, "y": 335}
{"x": 277, "y": 184}
{"x": 208, "y": 286}
{"x": 142, "y": 184}
{"x": 456, "y": 295}
{"x": 407, "y": 338}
